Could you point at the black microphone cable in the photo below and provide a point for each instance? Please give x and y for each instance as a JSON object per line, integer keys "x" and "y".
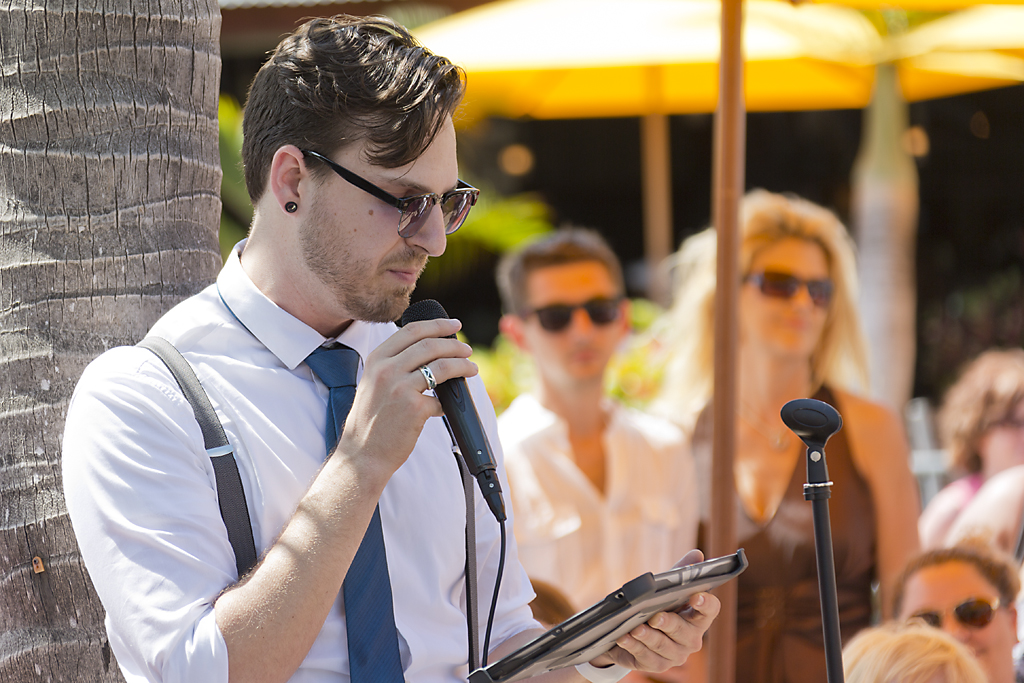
{"x": 494, "y": 598}
{"x": 497, "y": 578}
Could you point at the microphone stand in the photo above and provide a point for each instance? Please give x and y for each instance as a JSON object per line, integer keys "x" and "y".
{"x": 815, "y": 422}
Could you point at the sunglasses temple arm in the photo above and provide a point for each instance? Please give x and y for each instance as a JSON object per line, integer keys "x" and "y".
{"x": 815, "y": 422}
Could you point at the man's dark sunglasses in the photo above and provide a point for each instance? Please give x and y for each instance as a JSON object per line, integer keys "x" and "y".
{"x": 455, "y": 204}
{"x": 972, "y": 613}
{"x": 786, "y": 285}
{"x": 557, "y": 317}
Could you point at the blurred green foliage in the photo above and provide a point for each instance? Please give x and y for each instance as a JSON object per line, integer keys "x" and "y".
{"x": 236, "y": 211}
{"x": 635, "y": 373}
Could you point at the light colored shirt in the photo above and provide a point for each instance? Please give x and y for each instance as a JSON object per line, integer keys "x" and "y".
{"x": 142, "y": 495}
{"x": 584, "y": 542}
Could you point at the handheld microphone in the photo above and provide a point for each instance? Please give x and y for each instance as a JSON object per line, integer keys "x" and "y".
{"x": 463, "y": 419}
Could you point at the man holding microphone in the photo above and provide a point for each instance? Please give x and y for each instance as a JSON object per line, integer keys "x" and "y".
{"x": 356, "y": 507}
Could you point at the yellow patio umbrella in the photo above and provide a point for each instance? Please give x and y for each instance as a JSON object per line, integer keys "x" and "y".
{"x": 554, "y": 59}
{"x": 915, "y": 5}
{"x": 606, "y": 58}
{"x": 977, "y": 48}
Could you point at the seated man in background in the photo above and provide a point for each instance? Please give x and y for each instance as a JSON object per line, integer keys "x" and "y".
{"x": 602, "y": 493}
{"x": 967, "y": 590}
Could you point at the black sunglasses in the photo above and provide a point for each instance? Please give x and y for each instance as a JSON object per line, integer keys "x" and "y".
{"x": 973, "y": 613}
{"x": 786, "y": 285}
{"x": 557, "y": 317}
{"x": 455, "y": 204}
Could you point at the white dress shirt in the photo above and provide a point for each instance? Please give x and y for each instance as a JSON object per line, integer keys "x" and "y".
{"x": 142, "y": 495}
{"x": 584, "y": 542}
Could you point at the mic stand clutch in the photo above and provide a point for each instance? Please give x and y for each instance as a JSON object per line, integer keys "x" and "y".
{"x": 815, "y": 422}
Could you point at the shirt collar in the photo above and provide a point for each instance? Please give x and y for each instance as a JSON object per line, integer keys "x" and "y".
{"x": 287, "y": 337}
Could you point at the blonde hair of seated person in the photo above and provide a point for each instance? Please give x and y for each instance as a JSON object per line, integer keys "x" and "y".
{"x": 909, "y": 652}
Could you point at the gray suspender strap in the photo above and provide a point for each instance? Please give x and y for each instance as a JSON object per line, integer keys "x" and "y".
{"x": 469, "y": 486}
{"x": 472, "y": 622}
{"x": 230, "y": 494}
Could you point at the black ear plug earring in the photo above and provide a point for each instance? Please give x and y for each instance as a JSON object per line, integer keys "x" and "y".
{"x": 291, "y": 207}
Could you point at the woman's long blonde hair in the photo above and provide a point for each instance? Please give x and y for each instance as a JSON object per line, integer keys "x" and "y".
{"x": 840, "y": 357}
{"x": 908, "y": 653}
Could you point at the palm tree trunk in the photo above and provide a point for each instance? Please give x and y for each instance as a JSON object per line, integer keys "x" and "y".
{"x": 884, "y": 215}
{"x": 109, "y": 209}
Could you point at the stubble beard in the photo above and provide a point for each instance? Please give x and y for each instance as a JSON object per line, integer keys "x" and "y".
{"x": 358, "y": 288}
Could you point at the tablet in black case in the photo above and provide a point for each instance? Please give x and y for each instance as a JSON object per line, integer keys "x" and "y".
{"x": 593, "y": 631}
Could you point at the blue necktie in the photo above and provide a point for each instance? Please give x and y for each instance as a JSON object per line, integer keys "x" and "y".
{"x": 373, "y": 655}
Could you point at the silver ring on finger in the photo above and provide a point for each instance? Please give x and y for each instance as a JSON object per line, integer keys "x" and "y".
{"x": 429, "y": 376}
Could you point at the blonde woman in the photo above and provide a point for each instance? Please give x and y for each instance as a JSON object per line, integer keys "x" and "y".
{"x": 909, "y": 653}
{"x": 799, "y": 336}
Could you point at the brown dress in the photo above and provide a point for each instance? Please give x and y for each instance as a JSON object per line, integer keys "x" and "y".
{"x": 779, "y": 634}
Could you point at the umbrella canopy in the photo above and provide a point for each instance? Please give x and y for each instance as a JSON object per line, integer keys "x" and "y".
{"x": 917, "y": 5}
{"x": 974, "y": 49}
{"x": 603, "y": 58}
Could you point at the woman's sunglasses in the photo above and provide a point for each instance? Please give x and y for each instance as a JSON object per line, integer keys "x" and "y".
{"x": 786, "y": 285}
{"x": 557, "y": 317}
{"x": 973, "y": 613}
{"x": 414, "y": 211}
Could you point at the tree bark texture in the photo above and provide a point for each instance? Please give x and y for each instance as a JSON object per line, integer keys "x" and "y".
{"x": 109, "y": 207}
{"x": 884, "y": 215}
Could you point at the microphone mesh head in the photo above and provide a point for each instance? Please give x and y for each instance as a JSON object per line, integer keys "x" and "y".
{"x": 428, "y": 309}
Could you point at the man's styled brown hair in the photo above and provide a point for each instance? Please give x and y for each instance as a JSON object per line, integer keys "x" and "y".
{"x": 340, "y": 80}
{"x": 566, "y": 245}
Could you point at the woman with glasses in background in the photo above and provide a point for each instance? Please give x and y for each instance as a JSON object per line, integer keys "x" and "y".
{"x": 799, "y": 336}
{"x": 967, "y": 590}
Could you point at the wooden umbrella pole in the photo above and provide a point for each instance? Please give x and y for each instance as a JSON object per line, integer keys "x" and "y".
{"x": 656, "y": 176}
{"x": 727, "y": 182}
